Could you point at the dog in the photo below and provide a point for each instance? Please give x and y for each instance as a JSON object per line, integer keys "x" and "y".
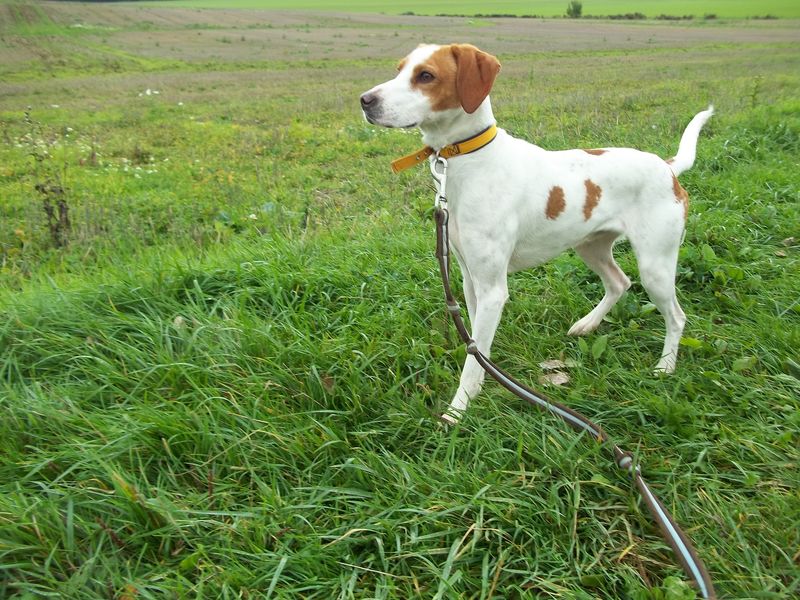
{"x": 514, "y": 205}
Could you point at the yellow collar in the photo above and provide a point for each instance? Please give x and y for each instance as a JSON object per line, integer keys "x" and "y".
{"x": 463, "y": 147}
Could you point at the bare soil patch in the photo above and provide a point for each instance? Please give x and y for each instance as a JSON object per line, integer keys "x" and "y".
{"x": 244, "y": 35}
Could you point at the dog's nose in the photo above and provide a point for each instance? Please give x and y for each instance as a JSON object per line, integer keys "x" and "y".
{"x": 369, "y": 99}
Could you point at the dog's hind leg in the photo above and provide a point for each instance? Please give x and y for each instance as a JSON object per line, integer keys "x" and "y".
{"x": 596, "y": 253}
{"x": 657, "y": 255}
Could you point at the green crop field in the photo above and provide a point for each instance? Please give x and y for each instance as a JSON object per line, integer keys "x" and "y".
{"x": 546, "y": 8}
{"x": 223, "y": 342}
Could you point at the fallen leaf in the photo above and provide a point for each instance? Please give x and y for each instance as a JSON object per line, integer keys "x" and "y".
{"x": 553, "y": 365}
{"x": 554, "y": 378}
{"x": 129, "y": 592}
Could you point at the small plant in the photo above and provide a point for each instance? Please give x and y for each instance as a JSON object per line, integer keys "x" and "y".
{"x": 575, "y": 9}
{"x": 54, "y": 198}
{"x": 755, "y": 90}
{"x": 140, "y": 155}
{"x": 47, "y": 181}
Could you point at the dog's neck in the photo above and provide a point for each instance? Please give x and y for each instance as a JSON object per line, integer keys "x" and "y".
{"x": 455, "y": 125}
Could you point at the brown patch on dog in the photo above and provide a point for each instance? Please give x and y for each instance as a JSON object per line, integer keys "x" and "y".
{"x": 681, "y": 196}
{"x": 593, "y": 192}
{"x": 442, "y": 90}
{"x": 595, "y": 151}
{"x": 669, "y": 161}
{"x": 401, "y": 64}
{"x": 463, "y": 76}
{"x": 555, "y": 203}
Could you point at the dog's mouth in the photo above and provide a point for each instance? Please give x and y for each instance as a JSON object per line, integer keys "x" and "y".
{"x": 375, "y": 120}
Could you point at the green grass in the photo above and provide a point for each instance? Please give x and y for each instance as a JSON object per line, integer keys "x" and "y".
{"x": 222, "y": 386}
{"x": 547, "y": 8}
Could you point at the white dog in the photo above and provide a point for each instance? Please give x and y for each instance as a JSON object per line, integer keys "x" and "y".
{"x": 514, "y": 205}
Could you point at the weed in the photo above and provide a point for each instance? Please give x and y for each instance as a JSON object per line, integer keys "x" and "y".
{"x": 47, "y": 178}
{"x": 54, "y": 198}
{"x": 755, "y": 91}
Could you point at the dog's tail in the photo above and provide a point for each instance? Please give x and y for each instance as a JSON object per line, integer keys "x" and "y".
{"x": 684, "y": 159}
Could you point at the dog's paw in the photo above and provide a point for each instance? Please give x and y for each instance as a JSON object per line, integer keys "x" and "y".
{"x": 665, "y": 366}
{"x": 449, "y": 419}
{"x": 584, "y": 327}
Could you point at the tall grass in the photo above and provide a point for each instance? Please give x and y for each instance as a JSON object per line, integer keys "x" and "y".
{"x": 201, "y": 403}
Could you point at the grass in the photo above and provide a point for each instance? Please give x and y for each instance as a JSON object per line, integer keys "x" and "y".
{"x": 546, "y": 8}
{"x": 219, "y": 380}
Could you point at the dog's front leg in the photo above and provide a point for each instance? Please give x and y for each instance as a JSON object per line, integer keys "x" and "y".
{"x": 490, "y": 299}
{"x": 469, "y": 292}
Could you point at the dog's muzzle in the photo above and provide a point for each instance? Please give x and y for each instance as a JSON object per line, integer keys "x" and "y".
{"x": 371, "y": 105}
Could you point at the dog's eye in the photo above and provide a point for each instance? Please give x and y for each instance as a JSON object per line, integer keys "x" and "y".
{"x": 425, "y": 77}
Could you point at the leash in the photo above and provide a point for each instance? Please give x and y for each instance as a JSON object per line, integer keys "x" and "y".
{"x": 685, "y": 552}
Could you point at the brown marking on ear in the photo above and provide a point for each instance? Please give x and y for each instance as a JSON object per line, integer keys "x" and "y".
{"x": 593, "y": 192}
{"x": 680, "y": 196}
{"x": 595, "y": 151}
{"x": 555, "y": 202}
{"x": 401, "y": 64}
{"x": 477, "y": 71}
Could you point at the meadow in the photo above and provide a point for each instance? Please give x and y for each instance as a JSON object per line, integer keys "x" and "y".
{"x": 223, "y": 342}
{"x": 543, "y": 8}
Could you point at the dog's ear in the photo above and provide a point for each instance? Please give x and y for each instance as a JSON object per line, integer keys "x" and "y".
{"x": 475, "y": 76}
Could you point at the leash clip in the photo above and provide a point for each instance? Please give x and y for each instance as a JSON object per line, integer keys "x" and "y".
{"x": 439, "y": 172}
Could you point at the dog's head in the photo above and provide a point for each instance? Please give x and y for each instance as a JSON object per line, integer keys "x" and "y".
{"x": 431, "y": 83}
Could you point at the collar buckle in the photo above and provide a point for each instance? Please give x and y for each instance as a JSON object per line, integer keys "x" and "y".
{"x": 439, "y": 173}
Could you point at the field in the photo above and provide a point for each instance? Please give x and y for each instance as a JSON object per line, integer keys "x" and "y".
{"x": 545, "y": 8}
{"x": 222, "y": 336}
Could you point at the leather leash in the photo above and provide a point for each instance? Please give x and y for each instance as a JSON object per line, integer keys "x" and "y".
{"x": 675, "y": 537}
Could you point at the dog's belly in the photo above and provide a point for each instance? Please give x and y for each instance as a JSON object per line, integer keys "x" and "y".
{"x": 527, "y": 256}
